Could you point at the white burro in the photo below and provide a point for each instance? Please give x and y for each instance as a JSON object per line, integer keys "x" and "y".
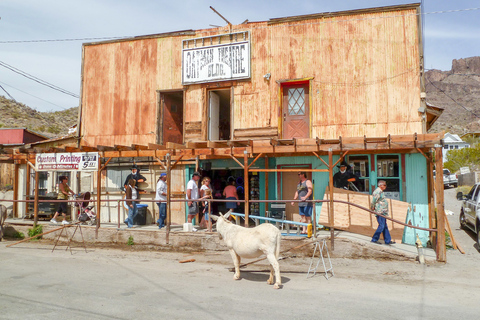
{"x": 251, "y": 243}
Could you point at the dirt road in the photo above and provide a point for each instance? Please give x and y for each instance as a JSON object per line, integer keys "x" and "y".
{"x": 36, "y": 283}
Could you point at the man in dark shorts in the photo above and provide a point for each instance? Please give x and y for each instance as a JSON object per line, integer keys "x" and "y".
{"x": 63, "y": 192}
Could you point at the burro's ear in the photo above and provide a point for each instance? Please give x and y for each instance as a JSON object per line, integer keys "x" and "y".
{"x": 214, "y": 218}
{"x": 221, "y": 215}
{"x": 228, "y": 213}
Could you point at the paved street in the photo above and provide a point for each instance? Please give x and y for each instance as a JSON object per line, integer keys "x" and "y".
{"x": 36, "y": 283}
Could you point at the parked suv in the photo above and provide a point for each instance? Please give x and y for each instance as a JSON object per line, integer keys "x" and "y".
{"x": 470, "y": 212}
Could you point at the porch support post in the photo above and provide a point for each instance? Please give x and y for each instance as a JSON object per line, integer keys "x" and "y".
{"x": 331, "y": 217}
{"x": 440, "y": 247}
{"x": 169, "y": 187}
{"x": 35, "y": 205}
{"x": 27, "y": 185}
{"x": 15, "y": 191}
{"x": 247, "y": 191}
{"x": 99, "y": 193}
{"x": 266, "y": 183}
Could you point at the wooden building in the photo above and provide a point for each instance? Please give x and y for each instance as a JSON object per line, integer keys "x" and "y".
{"x": 261, "y": 100}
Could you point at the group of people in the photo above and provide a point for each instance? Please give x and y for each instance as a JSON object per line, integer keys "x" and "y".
{"x": 342, "y": 179}
{"x": 304, "y": 193}
{"x": 205, "y": 192}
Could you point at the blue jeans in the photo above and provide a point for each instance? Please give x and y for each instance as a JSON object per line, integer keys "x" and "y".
{"x": 131, "y": 213}
{"x": 162, "y": 208}
{"x": 382, "y": 229}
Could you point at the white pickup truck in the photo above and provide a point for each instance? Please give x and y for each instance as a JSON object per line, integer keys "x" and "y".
{"x": 470, "y": 212}
{"x": 449, "y": 179}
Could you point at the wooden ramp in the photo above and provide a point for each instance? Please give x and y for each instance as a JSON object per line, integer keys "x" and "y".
{"x": 356, "y": 220}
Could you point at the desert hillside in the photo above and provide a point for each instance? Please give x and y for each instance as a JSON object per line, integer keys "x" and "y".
{"x": 51, "y": 124}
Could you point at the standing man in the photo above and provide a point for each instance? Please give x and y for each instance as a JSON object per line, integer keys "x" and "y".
{"x": 135, "y": 175}
{"x": 63, "y": 192}
{"x": 380, "y": 206}
{"x": 342, "y": 178}
{"x": 192, "y": 194}
{"x": 304, "y": 192}
{"x": 162, "y": 197}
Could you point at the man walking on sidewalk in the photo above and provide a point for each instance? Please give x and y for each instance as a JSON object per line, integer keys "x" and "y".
{"x": 380, "y": 206}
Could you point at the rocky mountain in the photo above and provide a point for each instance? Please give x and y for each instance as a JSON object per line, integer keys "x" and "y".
{"x": 458, "y": 92}
{"x": 51, "y": 124}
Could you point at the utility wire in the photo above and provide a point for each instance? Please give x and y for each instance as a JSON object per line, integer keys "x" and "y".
{"x": 443, "y": 91}
{"x": 33, "y": 96}
{"x": 257, "y": 27}
{"x": 8, "y": 93}
{"x": 43, "y": 82}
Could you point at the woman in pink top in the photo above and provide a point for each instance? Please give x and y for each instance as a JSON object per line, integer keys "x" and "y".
{"x": 230, "y": 193}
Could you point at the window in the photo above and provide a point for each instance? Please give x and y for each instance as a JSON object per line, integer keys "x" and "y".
{"x": 361, "y": 168}
{"x": 388, "y": 169}
{"x": 475, "y": 196}
{"x": 116, "y": 177}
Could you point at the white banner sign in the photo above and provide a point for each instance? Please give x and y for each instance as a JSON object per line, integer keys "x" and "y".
{"x": 216, "y": 63}
{"x": 78, "y": 161}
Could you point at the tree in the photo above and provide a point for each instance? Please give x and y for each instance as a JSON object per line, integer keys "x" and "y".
{"x": 466, "y": 157}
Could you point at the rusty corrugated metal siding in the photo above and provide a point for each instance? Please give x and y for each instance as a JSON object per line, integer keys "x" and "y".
{"x": 363, "y": 69}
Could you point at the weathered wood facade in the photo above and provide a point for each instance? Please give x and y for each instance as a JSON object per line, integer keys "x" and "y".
{"x": 362, "y": 70}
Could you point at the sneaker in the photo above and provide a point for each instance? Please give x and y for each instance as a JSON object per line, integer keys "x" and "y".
{"x": 194, "y": 230}
{"x": 53, "y": 221}
{"x": 65, "y": 222}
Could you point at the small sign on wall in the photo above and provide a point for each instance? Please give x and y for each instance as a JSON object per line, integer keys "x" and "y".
{"x": 216, "y": 63}
{"x": 75, "y": 161}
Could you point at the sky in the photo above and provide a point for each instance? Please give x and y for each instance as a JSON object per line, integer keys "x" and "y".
{"x": 451, "y": 31}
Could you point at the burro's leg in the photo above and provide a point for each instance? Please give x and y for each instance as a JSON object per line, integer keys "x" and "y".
{"x": 236, "y": 262}
{"x": 275, "y": 267}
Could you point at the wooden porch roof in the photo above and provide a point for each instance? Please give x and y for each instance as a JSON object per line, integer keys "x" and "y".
{"x": 271, "y": 147}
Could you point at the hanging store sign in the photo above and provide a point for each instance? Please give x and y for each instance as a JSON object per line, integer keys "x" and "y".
{"x": 216, "y": 63}
{"x": 75, "y": 161}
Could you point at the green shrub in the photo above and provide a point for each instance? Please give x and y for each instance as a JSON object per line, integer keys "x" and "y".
{"x": 19, "y": 235}
{"x": 35, "y": 231}
{"x": 130, "y": 241}
{"x": 54, "y": 129}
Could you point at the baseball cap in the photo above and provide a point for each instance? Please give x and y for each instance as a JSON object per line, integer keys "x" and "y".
{"x": 163, "y": 174}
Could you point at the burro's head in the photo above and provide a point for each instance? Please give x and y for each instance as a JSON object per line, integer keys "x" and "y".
{"x": 222, "y": 222}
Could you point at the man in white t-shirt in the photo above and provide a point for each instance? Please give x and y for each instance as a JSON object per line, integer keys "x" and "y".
{"x": 192, "y": 194}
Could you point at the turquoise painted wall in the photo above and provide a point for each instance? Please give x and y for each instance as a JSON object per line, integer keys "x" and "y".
{"x": 417, "y": 195}
{"x": 319, "y": 179}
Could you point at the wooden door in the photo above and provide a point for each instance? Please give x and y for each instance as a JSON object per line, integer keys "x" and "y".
{"x": 214, "y": 117}
{"x": 296, "y": 111}
{"x": 289, "y": 187}
{"x": 172, "y": 118}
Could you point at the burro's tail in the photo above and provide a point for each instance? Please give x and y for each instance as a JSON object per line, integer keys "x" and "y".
{"x": 277, "y": 247}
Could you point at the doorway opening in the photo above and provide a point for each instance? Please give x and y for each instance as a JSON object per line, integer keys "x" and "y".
{"x": 288, "y": 186}
{"x": 170, "y": 120}
{"x": 219, "y": 114}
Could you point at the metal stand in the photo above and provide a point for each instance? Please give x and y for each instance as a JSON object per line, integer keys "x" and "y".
{"x": 323, "y": 247}
{"x": 77, "y": 226}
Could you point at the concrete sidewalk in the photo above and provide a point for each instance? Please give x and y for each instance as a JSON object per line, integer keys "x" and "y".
{"x": 346, "y": 244}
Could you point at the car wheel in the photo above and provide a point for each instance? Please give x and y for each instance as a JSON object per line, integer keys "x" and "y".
{"x": 455, "y": 185}
{"x": 478, "y": 237}
{"x": 463, "y": 223}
